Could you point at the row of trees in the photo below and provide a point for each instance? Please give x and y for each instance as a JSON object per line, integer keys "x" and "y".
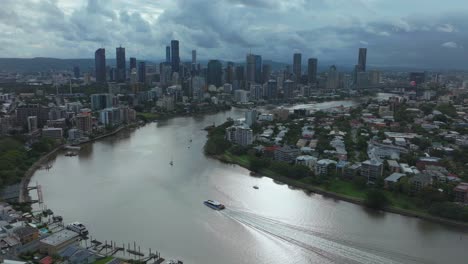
{"x": 15, "y": 160}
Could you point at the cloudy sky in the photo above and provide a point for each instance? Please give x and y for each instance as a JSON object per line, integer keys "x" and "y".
{"x": 422, "y": 33}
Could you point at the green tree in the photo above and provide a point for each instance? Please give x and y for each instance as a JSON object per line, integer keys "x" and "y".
{"x": 376, "y": 199}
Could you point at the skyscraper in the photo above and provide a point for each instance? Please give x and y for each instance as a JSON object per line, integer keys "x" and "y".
{"x": 362, "y": 58}
{"x": 121, "y": 69}
{"x": 168, "y": 54}
{"x": 76, "y": 72}
{"x": 142, "y": 72}
{"x": 229, "y": 73}
{"x": 175, "y": 59}
{"x": 332, "y": 81}
{"x": 133, "y": 63}
{"x": 214, "y": 73}
{"x": 297, "y": 61}
{"x": 100, "y": 65}
{"x": 288, "y": 89}
{"x": 266, "y": 72}
{"x": 312, "y": 70}
{"x": 272, "y": 89}
{"x": 194, "y": 57}
{"x": 258, "y": 69}
{"x": 250, "y": 69}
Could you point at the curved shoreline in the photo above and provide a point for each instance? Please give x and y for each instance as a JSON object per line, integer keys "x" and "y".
{"x": 23, "y": 191}
{"x": 357, "y": 201}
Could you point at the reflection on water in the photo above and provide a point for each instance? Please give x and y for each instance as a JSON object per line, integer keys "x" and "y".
{"x": 124, "y": 190}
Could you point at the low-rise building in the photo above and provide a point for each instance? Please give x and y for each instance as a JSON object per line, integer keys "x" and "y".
{"x": 322, "y": 166}
{"x": 393, "y": 179}
{"x": 287, "y": 154}
{"x": 241, "y": 135}
{"x": 52, "y": 132}
{"x": 461, "y": 193}
{"x": 371, "y": 169}
{"x": 351, "y": 171}
{"x": 26, "y": 234}
{"x": 420, "y": 181}
{"x": 306, "y": 160}
{"x": 393, "y": 166}
{"x": 58, "y": 241}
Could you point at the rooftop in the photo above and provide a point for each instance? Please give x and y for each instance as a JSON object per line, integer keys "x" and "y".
{"x": 394, "y": 177}
{"x": 59, "y": 237}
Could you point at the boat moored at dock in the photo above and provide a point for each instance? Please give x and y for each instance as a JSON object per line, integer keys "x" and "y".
{"x": 78, "y": 228}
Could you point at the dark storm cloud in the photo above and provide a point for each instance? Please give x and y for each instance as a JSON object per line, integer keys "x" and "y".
{"x": 331, "y": 30}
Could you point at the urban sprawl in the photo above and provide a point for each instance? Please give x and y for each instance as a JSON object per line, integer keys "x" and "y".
{"x": 406, "y": 152}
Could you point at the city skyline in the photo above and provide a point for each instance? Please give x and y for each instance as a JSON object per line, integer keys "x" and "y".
{"x": 427, "y": 34}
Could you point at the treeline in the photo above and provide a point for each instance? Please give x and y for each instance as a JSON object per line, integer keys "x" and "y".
{"x": 216, "y": 143}
{"x": 15, "y": 159}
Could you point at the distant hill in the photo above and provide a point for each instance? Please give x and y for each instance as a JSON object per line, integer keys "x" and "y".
{"x": 46, "y": 64}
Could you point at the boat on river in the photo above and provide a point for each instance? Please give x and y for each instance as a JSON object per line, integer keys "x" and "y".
{"x": 214, "y": 205}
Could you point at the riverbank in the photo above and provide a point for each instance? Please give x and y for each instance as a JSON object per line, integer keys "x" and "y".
{"x": 233, "y": 159}
{"x": 23, "y": 192}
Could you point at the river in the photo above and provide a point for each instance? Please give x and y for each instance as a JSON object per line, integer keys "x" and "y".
{"x": 124, "y": 189}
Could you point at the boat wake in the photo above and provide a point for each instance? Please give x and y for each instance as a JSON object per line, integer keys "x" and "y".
{"x": 329, "y": 247}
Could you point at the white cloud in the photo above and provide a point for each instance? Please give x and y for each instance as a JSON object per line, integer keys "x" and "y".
{"x": 450, "y": 45}
{"x": 228, "y": 29}
{"x": 445, "y": 28}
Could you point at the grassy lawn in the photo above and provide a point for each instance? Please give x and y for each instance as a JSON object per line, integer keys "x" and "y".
{"x": 149, "y": 116}
{"x": 403, "y": 202}
{"x": 103, "y": 261}
{"x": 346, "y": 188}
{"x": 241, "y": 160}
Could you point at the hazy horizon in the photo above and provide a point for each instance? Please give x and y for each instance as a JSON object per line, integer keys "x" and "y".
{"x": 426, "y": 34}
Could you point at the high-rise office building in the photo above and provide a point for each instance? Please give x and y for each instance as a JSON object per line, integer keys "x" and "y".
{"x": 133, "y": 63}
{"x": 297, "y": 69}
{"x": 250, "y": 69}
{"x": 333, "y": 80}
{"x": 266, "y": 72}
{"x": 194, "y": 57}
{"x": 168, "y": 54}
{"x": 229, "y": 73}
{"x": 258, "y": 69}
{"x": 76, "y": 72}
{"x": 175, "y": 59}
{"x": 362, "y": 60}
{"x": 101, "y": 101}
{"x": 214, "y": 73}
{"x": 100, "y": 65}
{"x": 121, "y": 69}
{"x": 271, "y": 89}
{"x": 312, "y": 70}
{"x": 288, "y": 89}
{"x": 142, "y": 72}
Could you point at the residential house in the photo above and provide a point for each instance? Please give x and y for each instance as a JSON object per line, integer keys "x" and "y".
{"x": 393, "y": 179}
{"x": 461, "y": 193}
{"x": 393, "y": 166}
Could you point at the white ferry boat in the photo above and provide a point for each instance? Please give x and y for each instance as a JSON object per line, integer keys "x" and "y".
{"x": 78, "y": 228}
{"x": 214, "y": 205}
